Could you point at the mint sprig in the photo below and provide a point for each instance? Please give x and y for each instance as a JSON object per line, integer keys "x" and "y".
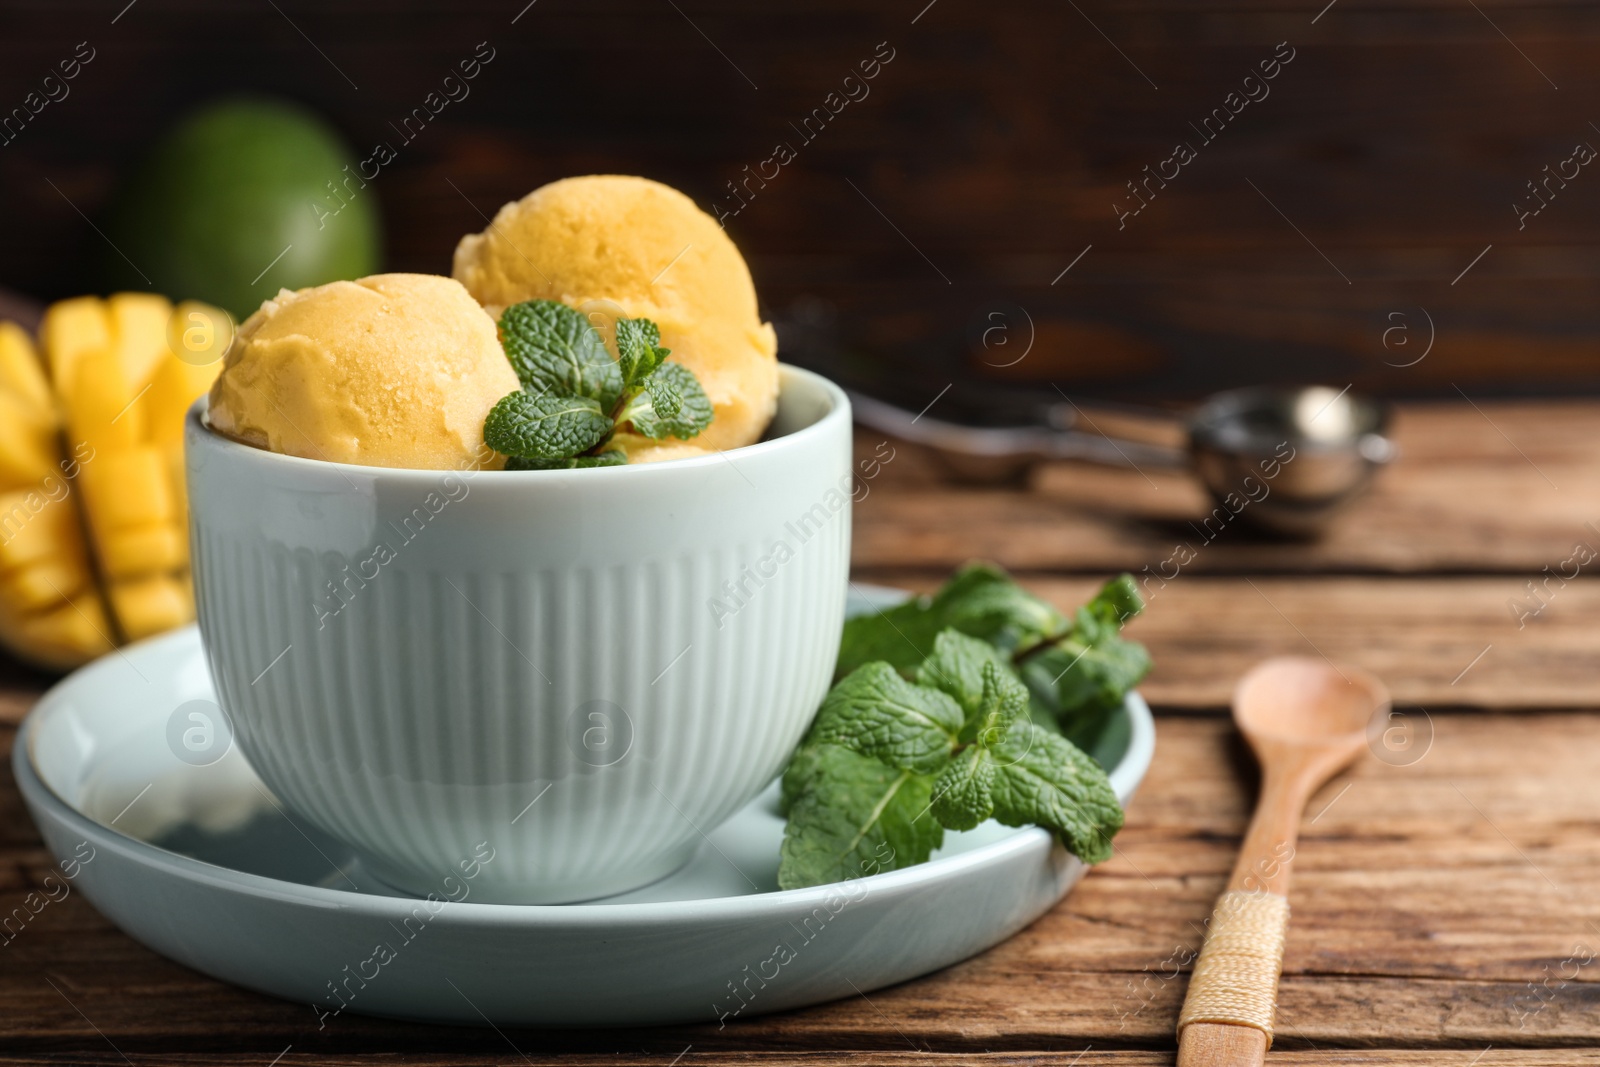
{"x": 575, "y": 396}
{"x": 944, "y": 714}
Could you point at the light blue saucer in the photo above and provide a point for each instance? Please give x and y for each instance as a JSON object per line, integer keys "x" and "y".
{"x": 200, "y": 864}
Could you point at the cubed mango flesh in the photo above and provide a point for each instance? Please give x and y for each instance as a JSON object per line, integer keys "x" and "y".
{"x": 93, "y": 517}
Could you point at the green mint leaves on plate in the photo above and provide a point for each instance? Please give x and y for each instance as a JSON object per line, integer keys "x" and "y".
{"x": 574, "y": 396}
{"x": 953, "y": 709}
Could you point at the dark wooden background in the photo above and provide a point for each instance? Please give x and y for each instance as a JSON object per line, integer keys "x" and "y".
{"x": 995, "y": 143}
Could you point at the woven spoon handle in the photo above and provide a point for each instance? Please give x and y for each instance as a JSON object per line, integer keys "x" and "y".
{"x": 1235, "y": 982}
{"x": 1227, "y": 1016}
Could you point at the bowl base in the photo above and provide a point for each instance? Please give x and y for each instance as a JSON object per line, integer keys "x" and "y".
{"x": 486, "y": 889}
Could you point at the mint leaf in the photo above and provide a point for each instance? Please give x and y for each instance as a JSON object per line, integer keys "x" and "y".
{"x": 903, "y": 635}
{"x": 639, "y": 350}
{"x": 1089, "y": 668}
{"x": 1117, "y": 601}
{"x": 877, "y": 713}
{"x": 544, "y": 427}
{"x": 850, "y": 816}
{"x": 981, "y": 601}
{"x": 611, "y": 458}
{"x": 963, "y": 793}
{"x": 1086, "y": 674}
{"x": 956, "y": 666}
{"x": 1004, "y": 704}
{"x": 672, "y": 404}
{"x": 805, "y": 766}
{"x": 554, "y": 349}
{"x": 666, "y": 400}
{"x": 1043, "y": 779}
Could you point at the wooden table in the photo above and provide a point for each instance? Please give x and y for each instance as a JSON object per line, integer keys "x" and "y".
{"x": 1444, "y": 904}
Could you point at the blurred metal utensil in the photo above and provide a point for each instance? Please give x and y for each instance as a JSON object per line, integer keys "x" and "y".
{"x": 1297, "y": 455}
{"x": 1338, "y": 439}
{"x": 985, "y": 453}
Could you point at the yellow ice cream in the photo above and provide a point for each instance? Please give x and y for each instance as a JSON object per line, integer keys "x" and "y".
{"x": 395, "y": 370}
{"x": 640, "y": 449}
{"x": 612, "y": 245}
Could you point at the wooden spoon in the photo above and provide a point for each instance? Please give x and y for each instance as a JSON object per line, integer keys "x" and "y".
{"x": 1306, "y": 719}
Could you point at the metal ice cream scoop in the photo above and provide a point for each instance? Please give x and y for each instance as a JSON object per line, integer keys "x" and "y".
{"x": 1316, "y": 448}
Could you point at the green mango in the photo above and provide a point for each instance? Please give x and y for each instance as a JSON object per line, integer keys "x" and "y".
{"x": 243, "y": 198}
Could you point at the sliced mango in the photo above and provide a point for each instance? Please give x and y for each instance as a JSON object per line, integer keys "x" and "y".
{"x": 173, "y": 389}
{"x": 150, "y": 605}
{"x": 64, "y": 636}
{"x": 35, "y": 527}
{"x": 138, "y": 332}
{"x": 28, "y": 445}
{"x": 93, "y": 513}
{"x": 100, "y": 404}
{"x": 21, "y": 375}
{"x": 152, "y": 549}
{"x": 45, "y": 584}
{"x": 128, "y": 489}
{"x": 71, "y": 329}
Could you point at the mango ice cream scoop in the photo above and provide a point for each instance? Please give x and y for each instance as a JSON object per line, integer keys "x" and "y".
{"x": 394, "y": 370}
{"x": 610, "y": 245}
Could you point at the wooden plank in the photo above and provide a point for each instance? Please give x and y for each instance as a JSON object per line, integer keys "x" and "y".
{"x": 1505, "y": 488}
{"x": 1432, "y": 892}
{"x": 1436, "y": 642}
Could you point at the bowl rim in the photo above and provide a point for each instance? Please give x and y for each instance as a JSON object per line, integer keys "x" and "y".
{"x": 197, "y": 428}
